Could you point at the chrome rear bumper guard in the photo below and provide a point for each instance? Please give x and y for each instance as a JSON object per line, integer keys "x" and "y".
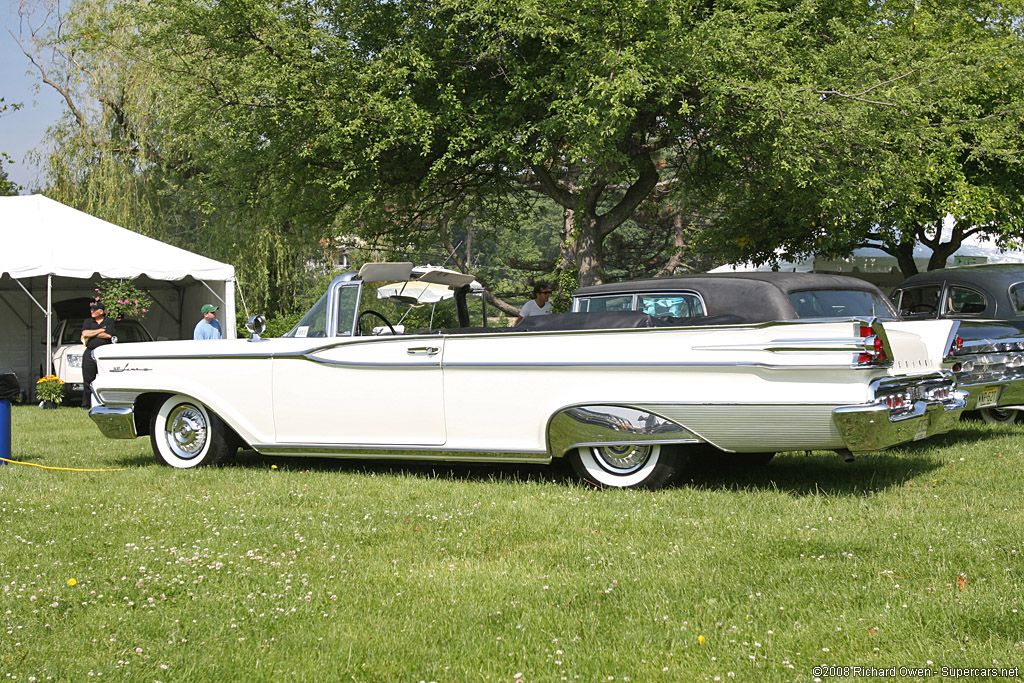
{"x": 876, "y": 427}
{"x": 1010, "y": 392}
{"x": 114, "y": 423}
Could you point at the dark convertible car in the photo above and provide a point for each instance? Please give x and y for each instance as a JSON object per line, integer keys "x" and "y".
{"x": 989, "y": 302}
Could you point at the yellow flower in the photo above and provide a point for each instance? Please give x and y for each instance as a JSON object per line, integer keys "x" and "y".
{"x": 71, "y": 582}
{"x": 701, "y": 640}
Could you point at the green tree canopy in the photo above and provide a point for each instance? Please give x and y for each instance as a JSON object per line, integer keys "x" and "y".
{"x": 760, "y": 125}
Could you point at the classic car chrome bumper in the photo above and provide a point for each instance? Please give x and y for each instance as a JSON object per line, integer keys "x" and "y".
{"x": 992, "y": 390}
{"x": 114, "y": 423}
{"x": 877, "y": 426}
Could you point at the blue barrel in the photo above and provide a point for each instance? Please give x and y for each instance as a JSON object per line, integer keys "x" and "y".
{"x": 5, "y": 431}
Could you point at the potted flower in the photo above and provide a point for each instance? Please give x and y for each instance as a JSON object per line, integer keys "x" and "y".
{"x": 50, "y": 391}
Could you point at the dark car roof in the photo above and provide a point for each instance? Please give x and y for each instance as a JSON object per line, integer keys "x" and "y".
{"x": 991, "y": 275}
{"x": 784, "y": 282}
{"x": 759, "y": 296}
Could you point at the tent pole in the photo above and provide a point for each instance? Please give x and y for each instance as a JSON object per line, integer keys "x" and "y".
{"x": 49, "y": 325}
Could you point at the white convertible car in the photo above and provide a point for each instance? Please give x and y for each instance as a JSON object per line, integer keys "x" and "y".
{"x": 625, "y": 395}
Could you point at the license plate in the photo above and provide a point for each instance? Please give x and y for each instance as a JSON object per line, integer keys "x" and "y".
{"x": 988, "y": 398}
{"x": 77, "y": 387}
{"x": 922, "y": 428}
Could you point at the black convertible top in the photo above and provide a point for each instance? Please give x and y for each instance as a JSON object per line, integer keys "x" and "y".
{"x": 605, "y": 320}
{"x": 614, "y": 320}
{"x": 756, "y": 297}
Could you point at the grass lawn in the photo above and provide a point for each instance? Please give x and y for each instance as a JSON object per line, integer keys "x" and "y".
{"x": 298, "y": 570}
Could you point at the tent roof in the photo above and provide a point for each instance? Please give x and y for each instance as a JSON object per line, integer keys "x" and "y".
{"x": 44, "y": 237}
{"x": 974, "y": 250}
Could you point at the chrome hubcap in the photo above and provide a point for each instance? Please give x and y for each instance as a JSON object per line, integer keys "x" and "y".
{"x": 187, "y": 431}
{"x": 622, "y": 459}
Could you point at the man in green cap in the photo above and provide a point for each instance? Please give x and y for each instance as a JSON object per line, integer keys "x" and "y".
{"x": 208, "y": 327}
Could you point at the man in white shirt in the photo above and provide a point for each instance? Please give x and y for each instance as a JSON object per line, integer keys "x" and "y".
{"x": 539, "y": 305}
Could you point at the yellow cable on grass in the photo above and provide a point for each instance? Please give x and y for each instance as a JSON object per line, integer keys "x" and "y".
{"x": 66, "y": 469}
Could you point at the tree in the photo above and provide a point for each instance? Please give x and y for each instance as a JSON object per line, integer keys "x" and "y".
{"x": 913, "y": 115}
{"x": 7, "y": 186}
{"x": 265, "y": 125}
{"x": 116, "y": 154}
{"x": 408, "y": 116}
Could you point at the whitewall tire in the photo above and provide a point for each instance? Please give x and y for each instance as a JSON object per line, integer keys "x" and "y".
{"x": 185, "y": 434}
{"x": 630, "y": 466}
{"x": 1000, "y": 416}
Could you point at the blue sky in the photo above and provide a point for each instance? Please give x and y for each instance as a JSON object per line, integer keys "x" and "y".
{"x": 24, "y": 129}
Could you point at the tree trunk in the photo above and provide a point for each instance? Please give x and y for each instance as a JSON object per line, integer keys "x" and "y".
{"x": 904, "y": 253}
{"x": 679, "y": 244}
{"x": 589, "y": 252}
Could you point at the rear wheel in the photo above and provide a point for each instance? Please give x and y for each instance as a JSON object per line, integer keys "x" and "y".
{"x": 649, "y": 466}
{"x": 1000, "y": 416}
{"x": 185, "y": 434}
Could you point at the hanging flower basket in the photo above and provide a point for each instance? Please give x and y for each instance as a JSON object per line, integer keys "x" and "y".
{"x": 122, "y": 299}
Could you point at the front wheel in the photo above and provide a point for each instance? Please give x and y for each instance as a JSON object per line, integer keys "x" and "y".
{"x": 185, "y": 434}
{"x": 1000, "y": 416}
{"x": 628, "y": 466}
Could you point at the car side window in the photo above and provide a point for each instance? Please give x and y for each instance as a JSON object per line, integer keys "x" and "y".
{"x": 1017, "y": 297}
{"x": 620, "y": 302}
{"x": 965, "y": 301}
{"x": 918, "y": 300}
{"x": 127, "y": 333}
{"x": 674, "y": 305}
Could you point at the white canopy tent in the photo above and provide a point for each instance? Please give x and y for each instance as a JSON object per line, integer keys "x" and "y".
{"x": 53, "y": 253}
{"x": 881, "y": 268}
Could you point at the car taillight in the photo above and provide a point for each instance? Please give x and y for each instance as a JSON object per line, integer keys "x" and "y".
{"x": 897, "y": 401}
{"x": 874, "y": 348}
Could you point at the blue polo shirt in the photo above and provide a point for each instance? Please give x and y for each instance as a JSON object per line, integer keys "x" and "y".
{"x": 207, "y": 330}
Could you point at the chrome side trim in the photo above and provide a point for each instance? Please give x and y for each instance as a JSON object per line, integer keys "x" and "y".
{"x": 586, "y": 364}
{"x": 667, "y": 364}
{"x": 844, "y": 344}
{"x": 352, "y": 364}
{"x": 609, "y": 425}
{"x": 403, "y": 453}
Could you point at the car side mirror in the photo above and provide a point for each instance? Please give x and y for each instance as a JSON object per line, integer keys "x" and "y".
{"x": 256, "y": 326}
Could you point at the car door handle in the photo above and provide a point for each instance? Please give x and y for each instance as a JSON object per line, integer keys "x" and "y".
{"x": 423, "y": 351}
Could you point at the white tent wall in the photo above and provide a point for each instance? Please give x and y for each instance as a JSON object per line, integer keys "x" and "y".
{"x": 176, "y": 310}
{"x": 46, "y": 242}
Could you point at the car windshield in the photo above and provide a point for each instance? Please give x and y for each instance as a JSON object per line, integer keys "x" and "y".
{"x": 314, "y": 323}
{"x": 920, "y": 301}
{"x": 840, "y": 303}
{"x": 124, "y": 330}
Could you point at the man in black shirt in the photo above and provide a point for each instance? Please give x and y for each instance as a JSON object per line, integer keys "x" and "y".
{"x": 97, "y": 330}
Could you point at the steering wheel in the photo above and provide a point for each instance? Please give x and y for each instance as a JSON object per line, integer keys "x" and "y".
{"x": 359, "y": 320}
{"x": 923, "y": 308}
